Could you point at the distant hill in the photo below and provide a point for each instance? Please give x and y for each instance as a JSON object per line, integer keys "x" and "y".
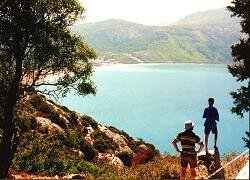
{"x": 214, "y": 16}
{"x": 203, "y": 37}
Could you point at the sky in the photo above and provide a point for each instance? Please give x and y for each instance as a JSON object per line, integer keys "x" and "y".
{"x": 149, "y": 12}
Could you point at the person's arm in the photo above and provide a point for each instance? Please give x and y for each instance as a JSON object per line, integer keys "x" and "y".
{"x": 200, "y": 148}
{"x": 200, "y": 142}
{"x": 175, "y": 145}
{"x": 217, "y": 115}
{"x": 205, "y": 113}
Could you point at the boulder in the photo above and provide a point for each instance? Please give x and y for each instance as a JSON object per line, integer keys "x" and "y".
{"x": 210, "y": 162}
{"x": 74, "y": 176}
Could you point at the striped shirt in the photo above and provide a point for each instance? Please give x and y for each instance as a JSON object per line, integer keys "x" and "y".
{"x": 188, "y": 139}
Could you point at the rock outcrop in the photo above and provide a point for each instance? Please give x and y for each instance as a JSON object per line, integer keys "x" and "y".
{"x": 210, "y": 162}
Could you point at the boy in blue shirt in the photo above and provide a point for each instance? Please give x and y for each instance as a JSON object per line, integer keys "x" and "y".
{"x": 211, "y": 114}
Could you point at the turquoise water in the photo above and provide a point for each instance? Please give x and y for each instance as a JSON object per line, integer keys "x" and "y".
{"x": 152, "y": 102}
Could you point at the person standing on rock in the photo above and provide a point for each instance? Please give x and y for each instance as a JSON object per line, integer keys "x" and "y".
{"x": 188, "y": 140}
{"x": 211, "y": 114}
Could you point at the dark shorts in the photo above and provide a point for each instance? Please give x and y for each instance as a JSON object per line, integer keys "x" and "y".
{"x": 207, "y": 130}
{"x": 190, "y": 159}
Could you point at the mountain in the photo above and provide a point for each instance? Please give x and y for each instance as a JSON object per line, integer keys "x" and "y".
{"x": 203, "y": 37}
{"x": 213, "y": 16}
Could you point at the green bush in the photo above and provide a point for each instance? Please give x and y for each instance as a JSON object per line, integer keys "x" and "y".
{"x": 115, "y": 130}
{"x": 48, "y": 155}
{"x": 39, "y": 103}
{"x": 55, "y": 118}
{"x": 26, "y": 124}
{"x": 103, "y": 143}
{"x": 87, "y": 120}
{"x": 88, "y": 151}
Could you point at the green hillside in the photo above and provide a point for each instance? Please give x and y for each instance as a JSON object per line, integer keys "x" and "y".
{"x": 58, "y": 143}
{"x": 203, "y": 37}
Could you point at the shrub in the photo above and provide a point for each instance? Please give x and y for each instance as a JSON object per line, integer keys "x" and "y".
{"x": 101, "y": 145}
{"x": 126, "y": 158}
{"x": 70, "y": 138}
{"x": 234, "y": 168}
{"x": 73, "y": 118}
{"x": 88, "y": 151}
{"x": 39, "y": 103}
{"x": 87, "y": 120}
{"x": 143, "y": 157}
{"x": 64, "y": 108}
{"x": 26, "y": 124}
{"x": 55, "y": 118}
{"x": 123, "y": 133}
{"x": 161, "y": 167}
{"x": 102, "y": 142}
{"x": 47, "y": 154}
{"x": 44, "y": 130}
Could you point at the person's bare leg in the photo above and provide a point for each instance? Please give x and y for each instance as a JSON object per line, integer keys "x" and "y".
{"x": 193, "y": 173}
{"x": 183, "y": 173}
{"x": 206, "y": 143}
{"x": 215, "y": 139}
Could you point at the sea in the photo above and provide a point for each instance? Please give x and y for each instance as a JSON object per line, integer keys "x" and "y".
{"x": 152, "y": 102}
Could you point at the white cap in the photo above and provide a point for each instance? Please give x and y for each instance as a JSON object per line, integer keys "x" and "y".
{"x": 188, "y": 124}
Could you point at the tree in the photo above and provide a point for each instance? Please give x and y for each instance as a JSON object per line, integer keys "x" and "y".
{"x": 35, "y": 43}
{"x": 241, "y": 53}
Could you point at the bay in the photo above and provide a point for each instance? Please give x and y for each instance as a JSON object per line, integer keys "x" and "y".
{"x": 152, "y": 101}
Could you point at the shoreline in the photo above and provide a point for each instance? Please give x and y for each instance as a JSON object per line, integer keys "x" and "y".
{"x": 122, "y": 65}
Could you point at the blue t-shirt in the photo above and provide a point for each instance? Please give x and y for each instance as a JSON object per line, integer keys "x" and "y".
{"x": 211, "y": 114}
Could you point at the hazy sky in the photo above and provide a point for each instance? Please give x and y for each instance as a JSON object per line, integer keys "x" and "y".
{"x": 147, "y": 11}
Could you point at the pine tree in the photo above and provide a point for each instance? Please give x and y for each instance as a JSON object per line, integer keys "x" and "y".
{"x": 241, "y": 54}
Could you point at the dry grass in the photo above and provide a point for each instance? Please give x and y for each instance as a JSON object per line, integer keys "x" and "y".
{"x": 233, "y": 169}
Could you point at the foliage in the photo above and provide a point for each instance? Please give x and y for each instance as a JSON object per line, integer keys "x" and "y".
{"x": 240, "y": 51}
{"x": 143, "y": 157}
{"x": 126, "y": 158}
{"x": 246, "y": 139}
{"x": 40, "y": 103}
{"x": 103, "y": 143}
{"x": 234, "y": 168}
{"x": 87, "y": 120}
{"x": 54, "y": 155}
{"x": 133, "y": 144}
{"x": 35, "y": 43}
{"x": 24, "y": 118}
{"x": 161, "y": 167}
{"x": 88, "y": 151}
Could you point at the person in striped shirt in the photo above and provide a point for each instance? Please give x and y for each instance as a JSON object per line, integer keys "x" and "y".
{"x": 188, "y": 140}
